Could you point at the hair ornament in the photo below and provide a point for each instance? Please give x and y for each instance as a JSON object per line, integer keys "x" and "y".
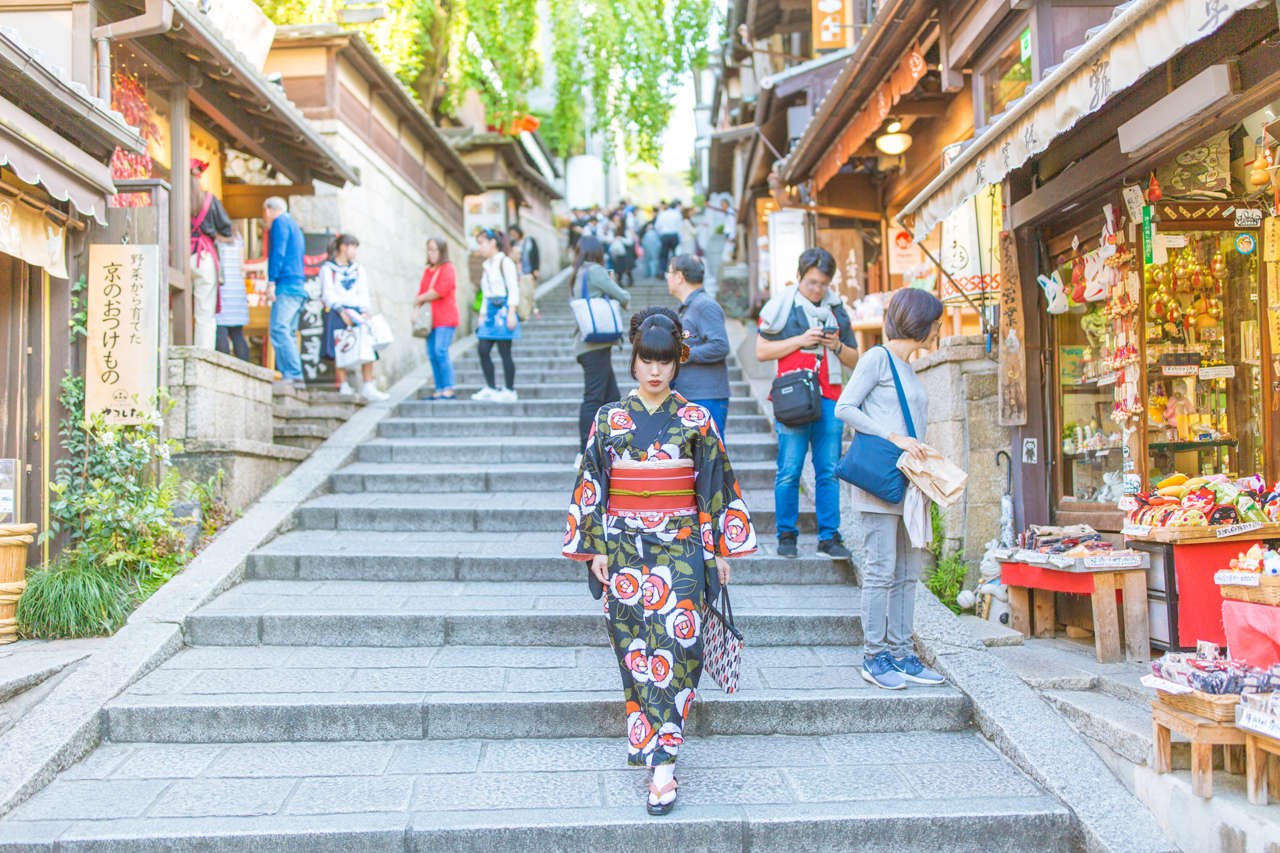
{"x": 684, "y": 352}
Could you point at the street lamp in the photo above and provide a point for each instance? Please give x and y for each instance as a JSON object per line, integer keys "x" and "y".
{"x": 894, "y": 141}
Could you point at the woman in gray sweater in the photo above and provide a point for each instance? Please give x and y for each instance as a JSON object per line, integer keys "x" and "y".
{"x": 869, "y": 404}
{"x": 599, "y": 385}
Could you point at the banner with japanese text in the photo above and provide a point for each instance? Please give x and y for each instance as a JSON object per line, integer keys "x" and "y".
{"x": 123, "y": 327}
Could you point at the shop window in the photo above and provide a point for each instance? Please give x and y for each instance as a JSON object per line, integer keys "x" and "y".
{"x": 1091, "y": 444}
{"x": 1204, "y": 363}
{"x": 1008, "y": 75}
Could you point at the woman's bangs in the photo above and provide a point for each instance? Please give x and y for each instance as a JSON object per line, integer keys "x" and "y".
{"x": 656, "y": 343}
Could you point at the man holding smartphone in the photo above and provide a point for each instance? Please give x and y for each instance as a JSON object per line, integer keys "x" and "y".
{"x": 805, "y": 327}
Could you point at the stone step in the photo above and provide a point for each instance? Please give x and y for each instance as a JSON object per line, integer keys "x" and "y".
{"x": 316, "y": 397}
{"x": 515, "y": 613}
{"x": 307, "y": 436}
{"x": 261, "y": 694}
{"x": 899, "y": 792}
{"x": 551, "y": 449}
{"x": 476, "y": 511}
{"x": 543, "y": 407}
{"x": 494, "y": 477}
{"x": 425, "y": 556}
{"x": 565, "y": 363}
{"x": 565, "y": 389}
{"x": 1123, "y": 726}
{"x": 502, "y": 423}
{"x": 330, "y": 417}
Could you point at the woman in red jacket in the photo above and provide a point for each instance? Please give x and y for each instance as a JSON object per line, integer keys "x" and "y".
{"x": 438, "y": 285}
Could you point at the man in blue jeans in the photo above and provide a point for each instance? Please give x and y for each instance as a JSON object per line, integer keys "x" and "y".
{"x": 286, "y": 288}
{"x": 804, "y": 327}
{"x": 704, "y": 379}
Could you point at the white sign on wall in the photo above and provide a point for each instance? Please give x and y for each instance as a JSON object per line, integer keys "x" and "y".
{"x": 123, "y": 331}
{"x": 786, "y": 243}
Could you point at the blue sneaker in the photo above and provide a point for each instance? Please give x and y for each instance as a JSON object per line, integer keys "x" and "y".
{"x": 880, "y": 671}
{"x": 911, "y": 669}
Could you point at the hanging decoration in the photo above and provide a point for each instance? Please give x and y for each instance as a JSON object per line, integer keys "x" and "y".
{"x": 129, "y": 98}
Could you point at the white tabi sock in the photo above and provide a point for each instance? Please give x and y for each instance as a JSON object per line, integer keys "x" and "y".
{"x": 662, "y": 776}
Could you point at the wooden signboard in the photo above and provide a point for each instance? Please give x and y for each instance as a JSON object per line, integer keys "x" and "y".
{"x": 123, "y": 341}
{"x": 1013, "y": 349}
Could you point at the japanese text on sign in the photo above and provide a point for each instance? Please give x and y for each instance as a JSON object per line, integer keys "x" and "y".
{"x": 123, "y": 328}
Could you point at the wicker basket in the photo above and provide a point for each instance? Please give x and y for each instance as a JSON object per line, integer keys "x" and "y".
{"x": 1266, "y": 592}
{"x": 1220, "y": 708}
{"x": 14, "y": 539}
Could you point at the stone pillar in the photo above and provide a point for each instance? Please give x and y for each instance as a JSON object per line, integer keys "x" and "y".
{"x": 961, "y": 381}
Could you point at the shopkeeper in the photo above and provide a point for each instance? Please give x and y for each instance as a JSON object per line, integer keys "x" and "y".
{"x": 209, "y": 225}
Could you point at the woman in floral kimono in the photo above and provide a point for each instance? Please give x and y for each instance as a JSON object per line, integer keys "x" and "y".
{"x": 656, "y": 511}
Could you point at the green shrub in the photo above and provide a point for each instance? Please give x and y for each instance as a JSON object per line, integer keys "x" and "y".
{"x": 947, "y": 577}
{"x": 112, "y": 497}
{"x": 77, "y": 596}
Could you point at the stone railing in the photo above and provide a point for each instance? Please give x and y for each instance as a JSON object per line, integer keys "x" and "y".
{"x": 961, "y": 381}
{"x": 223, "y": 416}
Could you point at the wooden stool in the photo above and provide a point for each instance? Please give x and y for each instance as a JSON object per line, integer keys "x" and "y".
{"x": 1204, "y": 735}
{"x": 1262, "y": 767}
{"x": 1031, "y": 609}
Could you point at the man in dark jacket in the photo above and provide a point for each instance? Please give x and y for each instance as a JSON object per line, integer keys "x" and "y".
{"x": 704, "y": 378}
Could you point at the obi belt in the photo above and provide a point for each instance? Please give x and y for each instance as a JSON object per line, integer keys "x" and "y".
{"x": 652, "y": 490}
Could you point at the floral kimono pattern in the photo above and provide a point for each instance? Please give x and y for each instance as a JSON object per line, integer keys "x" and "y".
{"x": 661, "y": 564}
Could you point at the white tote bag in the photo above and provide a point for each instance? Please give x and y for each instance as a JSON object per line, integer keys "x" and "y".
{"x": 599, "y": 318}
{"x": 380, "y": 330}
{"x": 346, "y": 346}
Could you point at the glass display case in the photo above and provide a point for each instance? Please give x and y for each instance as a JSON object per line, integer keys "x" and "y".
{"x": 1091, "y": 446}
{"x": 1203, "y": 354}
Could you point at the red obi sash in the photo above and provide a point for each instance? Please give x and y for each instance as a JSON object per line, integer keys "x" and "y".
{"x": 666, "y": 490}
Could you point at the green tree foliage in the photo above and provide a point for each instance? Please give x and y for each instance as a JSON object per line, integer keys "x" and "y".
{"x": 613, "y": 65}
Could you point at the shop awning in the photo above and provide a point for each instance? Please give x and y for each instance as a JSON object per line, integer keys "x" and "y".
{"x": 250, "y": 109}
{"x": 54, "y": 134}
{"x": 1141, "y": 35}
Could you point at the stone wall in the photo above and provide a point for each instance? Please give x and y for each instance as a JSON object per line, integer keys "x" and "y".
{"x": 961, "y": 381}
{"x": 223, "y": 417}
{"x": 393, "y": 222}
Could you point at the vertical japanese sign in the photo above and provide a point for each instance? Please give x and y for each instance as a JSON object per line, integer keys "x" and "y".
{"x": 1012, "y": 382}
{"x": 123, "y": 343}
{"x": 832, "y": 24}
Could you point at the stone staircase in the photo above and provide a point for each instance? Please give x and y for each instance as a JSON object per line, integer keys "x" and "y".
{"x": 414, "y": 667}
{"x": 306, "y": 418}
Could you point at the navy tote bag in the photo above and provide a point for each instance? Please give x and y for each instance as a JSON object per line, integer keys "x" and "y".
{"x": 871, "y": 462}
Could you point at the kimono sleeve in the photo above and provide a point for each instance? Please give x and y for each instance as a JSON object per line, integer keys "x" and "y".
{"x": 726, "y": 525}
{"x": 584, "y": 535}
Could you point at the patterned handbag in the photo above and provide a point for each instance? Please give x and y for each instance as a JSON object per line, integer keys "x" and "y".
{"x": 721, "y": 643}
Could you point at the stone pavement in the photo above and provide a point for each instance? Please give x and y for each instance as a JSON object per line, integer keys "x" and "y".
{"x": 414, "y": 667}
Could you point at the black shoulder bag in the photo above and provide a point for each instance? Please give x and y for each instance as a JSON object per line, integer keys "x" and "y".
{"x": 797, "y": 396}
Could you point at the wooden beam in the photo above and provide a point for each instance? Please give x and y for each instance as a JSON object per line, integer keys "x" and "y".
{"x": 234, "y": 119}
{"x": 973, "y": 29}
{"x": 180, "y": 206}
{"x": 931, "y": 108}
{"x": 244, "y": 201}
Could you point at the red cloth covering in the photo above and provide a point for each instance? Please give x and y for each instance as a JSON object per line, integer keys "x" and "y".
{"x": 1253, "y": 631}
{"x": 1038, "y": 577}
{"x": 444, "y": 311}
{"x": 1199, "y": 600}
